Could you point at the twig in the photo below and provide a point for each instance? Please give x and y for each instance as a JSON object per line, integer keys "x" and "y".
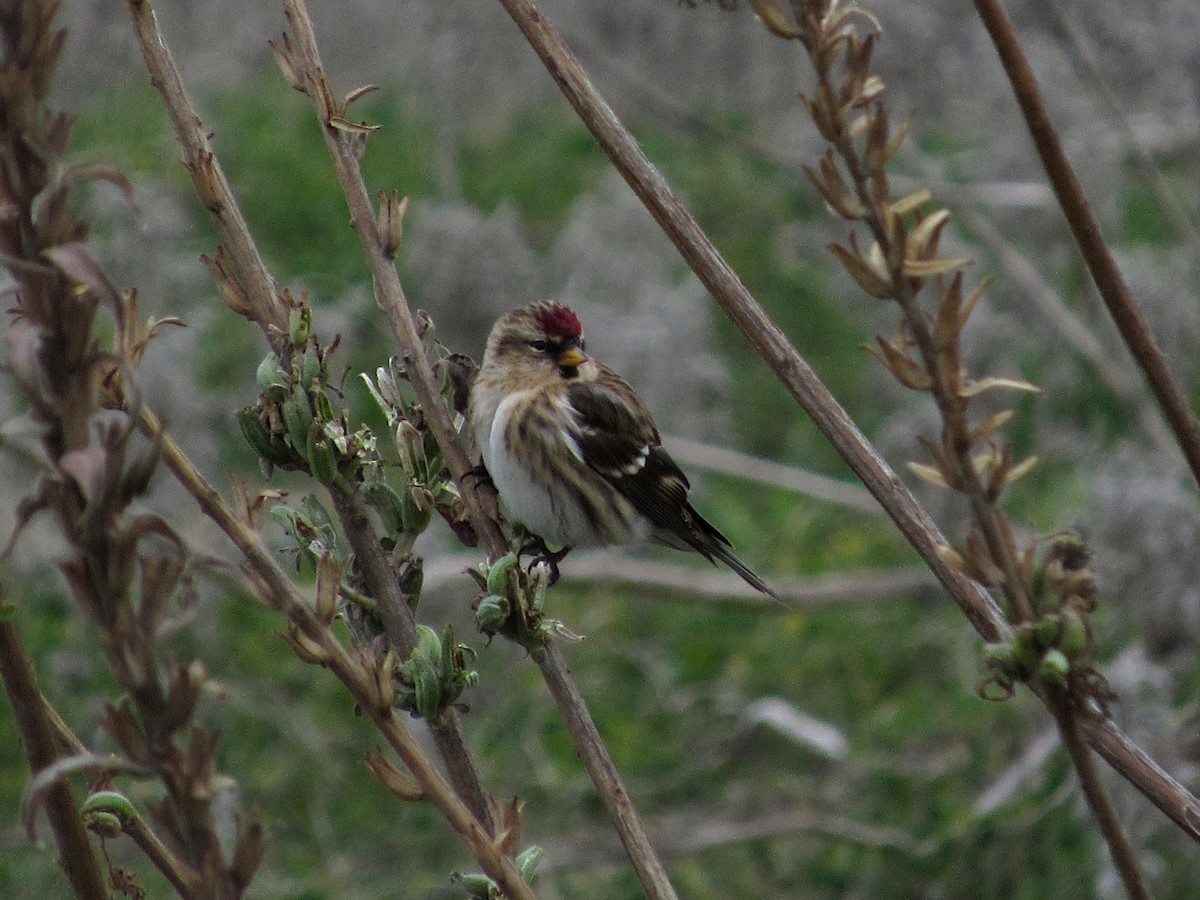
{"x": 745, "y": 312}
{"x": 1105, "y": 273}
{"x": 304, "y": 61}
{"x": 767, "y": 472}
{"x": 1097, "y": 798}
{"x": 400, "y": 626}
{"x": 40, "y": 744}
{"x": 258, "y": 299}
{"x": 603, "y": 773}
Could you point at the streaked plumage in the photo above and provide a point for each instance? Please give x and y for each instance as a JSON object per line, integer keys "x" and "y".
{"x": 573, "y": 450}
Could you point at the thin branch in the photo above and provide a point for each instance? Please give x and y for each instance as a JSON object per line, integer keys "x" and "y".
{"x": 1097, "y": 798}
{"x": 603, "y": 773}
{"x": 772, "y": 474}
{"x": 259, "y": 300}
{"x": 399, "y": 624}
{"x": 1100, "y": 262}
{"x": 686, "y": 836}
{"x": 306, "y": 67}
{"x": 40, "y": 743}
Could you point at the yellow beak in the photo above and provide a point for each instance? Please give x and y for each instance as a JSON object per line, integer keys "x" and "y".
{"x": 570, "y": 358}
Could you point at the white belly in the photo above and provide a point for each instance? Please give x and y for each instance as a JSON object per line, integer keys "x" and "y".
{"x": 556, "y": 518}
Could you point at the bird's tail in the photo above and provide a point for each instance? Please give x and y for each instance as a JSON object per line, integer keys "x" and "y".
{"x": 727, "y": 556}
{"x": 715, "y": 546}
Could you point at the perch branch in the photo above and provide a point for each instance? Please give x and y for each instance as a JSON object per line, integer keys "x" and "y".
{"x": 1105, "y": 273}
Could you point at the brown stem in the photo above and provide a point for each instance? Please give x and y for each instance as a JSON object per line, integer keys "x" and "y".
{"x": 595, "y": 758}
{"x": 208, "y": 178}
{"x": 1109, "y": 282}
{"x": 182, "y": 878}
{"x": 1093, "y": 788}
{"x": 41, "y": 749}
{"x": 400, "y": 626}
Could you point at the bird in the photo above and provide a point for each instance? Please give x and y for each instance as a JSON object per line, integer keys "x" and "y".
{"x": 573, "y": 451}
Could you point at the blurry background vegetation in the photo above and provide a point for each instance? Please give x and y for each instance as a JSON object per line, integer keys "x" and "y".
{"x": 712, "y": 712}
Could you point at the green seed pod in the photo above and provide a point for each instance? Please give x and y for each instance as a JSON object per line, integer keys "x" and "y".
{"x": 528, "y": 861}
{"x": 255, "y": 432}
{"x": 321, "y": 405}
{"x": 429, "y": 644}
{"x": 299, "y": 325}
{"x": 310, "y": 367}
{"x": 270, "y": 373}
{"x": 112, "y": 802}
{"x": 492, "y": 612}
{"x": 1001, "y": 656}
{"x": 1049, "y": 631}
{"x": 478, "y": 887}
{"x": 427, "y": 689}
{"x": 1025, "y": 647}
{"x": 1075, "y": 634}
{"x": 497, "y": 578}
{"x": 298, "y": 419}
{"x": 385, "y": 501}
{"x": 1054, "y": 666}
{"x": 322, "y": 460}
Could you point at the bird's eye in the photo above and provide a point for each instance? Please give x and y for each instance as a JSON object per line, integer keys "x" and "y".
{"x": 540, "y": 346}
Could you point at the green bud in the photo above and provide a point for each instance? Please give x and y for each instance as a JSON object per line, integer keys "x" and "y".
{"x": 429, "y": 644}
{"x": 497, "y": 577}
{"x": 1054, "y": 666}
{"x": 492, "y": 612}
{"x": 255, "y": 432}
{"x": 528, "y": 861}
{"x": 271, "y": 374}
{"x": 1075, "y": 634}
{"x": 299, "y": 325}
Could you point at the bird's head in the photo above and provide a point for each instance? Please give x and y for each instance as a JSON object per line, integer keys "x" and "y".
{"x": 537, "y": 340}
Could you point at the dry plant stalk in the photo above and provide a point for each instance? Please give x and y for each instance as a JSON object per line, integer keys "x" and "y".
{"x": 1049, "y": 596}
{"x": 127, "y": 571}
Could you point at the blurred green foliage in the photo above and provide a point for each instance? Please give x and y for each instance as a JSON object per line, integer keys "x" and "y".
{"x": 668, "y": 678}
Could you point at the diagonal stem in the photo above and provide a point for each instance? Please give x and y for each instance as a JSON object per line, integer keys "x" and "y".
{"x": 40, "y": 744}
{"x": 1100, "y": 262}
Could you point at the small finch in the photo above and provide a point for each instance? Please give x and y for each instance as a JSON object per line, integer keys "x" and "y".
{"x": 573, "y": 450}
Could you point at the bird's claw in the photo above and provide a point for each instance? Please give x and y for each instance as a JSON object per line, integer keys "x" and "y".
{"x": 543, "y": 554}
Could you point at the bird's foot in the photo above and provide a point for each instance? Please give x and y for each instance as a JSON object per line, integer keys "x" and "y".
{"x": 536, "y": 546}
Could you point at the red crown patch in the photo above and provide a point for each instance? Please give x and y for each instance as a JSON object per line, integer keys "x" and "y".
{"x": 559, "y": 322}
